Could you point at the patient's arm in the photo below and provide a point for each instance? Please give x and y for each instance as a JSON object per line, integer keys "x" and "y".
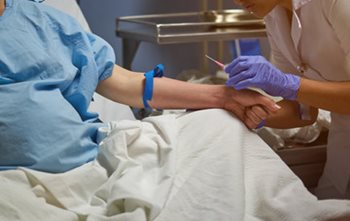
{"x": 126, "y": 87}
{"x": 2, "y": 6}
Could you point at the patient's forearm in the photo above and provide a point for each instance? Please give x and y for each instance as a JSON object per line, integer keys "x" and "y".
{"x": 2, "y": 6}
{"x": 289, "y": 116}
{"x": 172, "y": 94}
{"x": 127, "y": 87}
{"x": 123, "y": 86}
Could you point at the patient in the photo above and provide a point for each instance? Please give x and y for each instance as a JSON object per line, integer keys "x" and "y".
{"x": 49, "y": 70}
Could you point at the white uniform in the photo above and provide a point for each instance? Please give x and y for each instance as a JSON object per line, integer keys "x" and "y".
{"x": 317, "y": 46}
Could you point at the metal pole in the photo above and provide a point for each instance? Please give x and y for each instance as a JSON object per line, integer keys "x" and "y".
{"x": 220, "y": 44}
{"x": 205, "y": 48}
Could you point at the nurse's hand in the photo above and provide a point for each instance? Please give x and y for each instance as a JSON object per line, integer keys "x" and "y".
{"x": 256, "y": 71}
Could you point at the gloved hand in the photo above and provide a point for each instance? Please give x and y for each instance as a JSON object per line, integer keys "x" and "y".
{"x": 256, "y": 71}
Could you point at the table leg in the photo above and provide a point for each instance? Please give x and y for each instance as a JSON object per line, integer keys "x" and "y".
{"x": 129, "y": 50}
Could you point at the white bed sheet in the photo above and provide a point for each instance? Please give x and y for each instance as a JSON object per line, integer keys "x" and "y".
{"x": 203, "y": 165}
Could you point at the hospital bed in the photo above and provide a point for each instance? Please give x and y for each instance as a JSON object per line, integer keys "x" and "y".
{"x": 161, "y": 169}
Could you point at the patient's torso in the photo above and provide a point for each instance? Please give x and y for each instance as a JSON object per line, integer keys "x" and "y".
{"x": 46, "y": 84}
{"x": 41, "y": 130}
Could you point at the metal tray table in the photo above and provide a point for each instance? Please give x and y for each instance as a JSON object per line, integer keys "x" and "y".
{"x": 185, "y": 28}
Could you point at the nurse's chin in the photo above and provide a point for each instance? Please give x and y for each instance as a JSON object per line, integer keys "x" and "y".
{"x": 258, "y": 14}
{"x": 257, "y": 11}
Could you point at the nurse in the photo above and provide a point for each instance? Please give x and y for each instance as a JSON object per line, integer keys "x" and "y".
{"x": 310, "y": 61}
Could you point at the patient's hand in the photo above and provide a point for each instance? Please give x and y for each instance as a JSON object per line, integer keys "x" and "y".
{"x": 254, "y": 116}
{"x": 251, "y": 116}
{"x": 249, "y": 106}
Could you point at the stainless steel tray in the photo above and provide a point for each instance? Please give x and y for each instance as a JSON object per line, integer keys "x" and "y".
{"x": 232, "y": 17}
{"x": 191, "y": 26}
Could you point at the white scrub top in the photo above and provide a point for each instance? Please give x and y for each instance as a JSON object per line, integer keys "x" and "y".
{"x": 317, "y": 45}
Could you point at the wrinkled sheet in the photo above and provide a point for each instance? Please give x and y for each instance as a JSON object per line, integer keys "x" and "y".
{"x": 203, "y": 165}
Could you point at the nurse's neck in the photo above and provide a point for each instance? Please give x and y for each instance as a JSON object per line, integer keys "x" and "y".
{"x": 288, "y": 5}
{"x": 2, "y": 6}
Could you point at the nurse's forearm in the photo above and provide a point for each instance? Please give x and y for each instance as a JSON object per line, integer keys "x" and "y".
{"x": 289, "y": 116}
{"x": 331, "y": 96}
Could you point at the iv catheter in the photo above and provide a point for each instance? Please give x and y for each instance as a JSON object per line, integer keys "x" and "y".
{"x": 221, "y": 65}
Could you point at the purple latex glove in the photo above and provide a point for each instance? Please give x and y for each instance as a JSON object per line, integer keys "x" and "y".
{"x": 256, "y": 71}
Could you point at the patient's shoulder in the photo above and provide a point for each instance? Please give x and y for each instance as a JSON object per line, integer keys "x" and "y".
{"x": 46, "y": 14}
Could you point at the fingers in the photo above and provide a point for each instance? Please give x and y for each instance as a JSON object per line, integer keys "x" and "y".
{"x": 257, "y": 113}
{"x": 236, "y": 66}
{"x": 268, "y": 104}
{"x": 243, "y": 63}
{"x": 249, "y": 124}
{"x": 239, "y": 111}
{"x": 254, "y": 116}
{"x": 238, "y": 69}
{"x": 250, "y": 106}
{"x": 236, "y": 81}
{"x": 248, "y": 98}
{"x": 244, "y": 84}
{"x": 236, "y": 109}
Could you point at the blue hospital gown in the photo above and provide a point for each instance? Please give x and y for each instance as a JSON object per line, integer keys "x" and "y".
{"x": 49, "y": 70}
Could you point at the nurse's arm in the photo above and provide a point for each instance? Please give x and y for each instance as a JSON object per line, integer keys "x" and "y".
{"x": 331, "y": 96}
{"x": 289, "y": 116}
{"x": 126, "y": 87}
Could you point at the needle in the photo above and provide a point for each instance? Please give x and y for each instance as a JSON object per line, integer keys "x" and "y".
{"x": 216, "y": 62}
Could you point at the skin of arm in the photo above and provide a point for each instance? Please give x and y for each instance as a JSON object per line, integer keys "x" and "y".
{"x": 126, "y": 87}
{"x": 2, "y": 6}
{"x": 289, "y": 116}
{"x": 331, "y": 96}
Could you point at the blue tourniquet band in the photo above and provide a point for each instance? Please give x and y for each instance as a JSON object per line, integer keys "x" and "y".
{"x": 148, "y": 90}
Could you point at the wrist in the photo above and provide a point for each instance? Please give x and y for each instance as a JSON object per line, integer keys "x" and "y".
{"x": 292, "y": 86}
{"x": 229, "y": 94}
